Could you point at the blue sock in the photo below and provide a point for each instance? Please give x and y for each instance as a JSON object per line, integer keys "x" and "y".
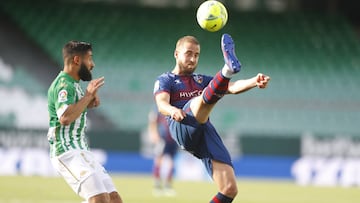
{"x": 220, "y": 198}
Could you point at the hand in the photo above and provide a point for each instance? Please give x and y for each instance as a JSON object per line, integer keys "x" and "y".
{"x": 95, "y": 102}
{"x": 262, "y": 80}
{"x": 94, "y": 85}
{"x": 178, "y": 114}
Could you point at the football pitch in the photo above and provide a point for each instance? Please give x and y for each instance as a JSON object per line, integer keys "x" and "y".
{"x": 138, "y": 189}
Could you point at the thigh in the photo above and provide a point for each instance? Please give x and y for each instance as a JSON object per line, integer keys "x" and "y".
{"x": 74, "y": 166}
{"x": 97, "y": 183}
{"x": 200, "y": 109}
{"x": 93, "y": 187}
{"x": 186, "y": 132}
{"x": 115, "y": 197}
{"x": 112, "y": 197}
{"x": 85, "y": 175}
{"x": 213, "y": 148}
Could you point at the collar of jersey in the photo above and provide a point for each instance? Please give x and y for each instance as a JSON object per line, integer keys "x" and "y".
{"x": 62, "y": 73}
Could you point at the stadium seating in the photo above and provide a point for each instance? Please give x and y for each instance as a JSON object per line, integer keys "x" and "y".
{"x": 21, "y": 98}
{"x": 313, "y": 60}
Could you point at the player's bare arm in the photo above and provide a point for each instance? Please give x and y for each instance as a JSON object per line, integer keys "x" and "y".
{"x": 74, "y": 110}
{"x": 95, "y": 102}
{"x": 163, "y": 103}
{"x": 152, "y": 127}
{"x": 239, "y": 86}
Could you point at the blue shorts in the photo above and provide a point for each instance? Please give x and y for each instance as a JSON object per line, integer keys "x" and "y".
{"x": 170, "y": 148}
{"x": 201, "y": 140}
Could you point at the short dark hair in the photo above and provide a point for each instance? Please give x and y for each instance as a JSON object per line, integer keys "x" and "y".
{"x": 73, "y": 48}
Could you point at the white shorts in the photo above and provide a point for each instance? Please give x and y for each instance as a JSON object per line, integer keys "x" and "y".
{"x": 86, "y": 176}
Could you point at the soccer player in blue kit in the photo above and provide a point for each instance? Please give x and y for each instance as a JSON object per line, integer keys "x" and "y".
{"x": 187, "y": 98}
{"x": 164, "y": 145}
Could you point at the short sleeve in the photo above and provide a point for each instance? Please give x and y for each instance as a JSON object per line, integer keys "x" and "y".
{"x": 64, "y": 96}
{"x": 162, "y": 84}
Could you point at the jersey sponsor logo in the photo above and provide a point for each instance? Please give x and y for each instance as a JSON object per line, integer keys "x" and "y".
{"x": 198, "y": 78}
{"x": 62, "y": 97}
{"x": 192, "y": 94}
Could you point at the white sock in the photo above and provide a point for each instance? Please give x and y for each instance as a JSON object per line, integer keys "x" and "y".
{"x": 226, "y": 71}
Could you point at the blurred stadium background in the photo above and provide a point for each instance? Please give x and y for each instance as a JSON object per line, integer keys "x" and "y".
{"x": 303, "y": 128}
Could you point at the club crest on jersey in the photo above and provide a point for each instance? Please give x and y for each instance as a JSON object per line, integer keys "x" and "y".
{"x": 198, "y": 78}
{"x": 62, "y": 97}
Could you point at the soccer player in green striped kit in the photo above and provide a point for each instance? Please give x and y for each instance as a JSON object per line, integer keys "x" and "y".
{"x": 67, "y": 106}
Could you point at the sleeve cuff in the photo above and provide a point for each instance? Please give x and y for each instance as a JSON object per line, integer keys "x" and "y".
{"x": 61, "y": 110}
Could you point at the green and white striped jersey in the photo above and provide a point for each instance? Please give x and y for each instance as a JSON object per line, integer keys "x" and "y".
{"x": 63, "y": 92}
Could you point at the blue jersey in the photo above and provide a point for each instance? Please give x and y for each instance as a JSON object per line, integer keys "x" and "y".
{"x": 181, "y": 88}
{"x": 202, "y": 140}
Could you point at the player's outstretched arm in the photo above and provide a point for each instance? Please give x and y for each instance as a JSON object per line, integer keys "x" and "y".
{"x": 163, "y": 103}
{"x": 239, "y": 86}
{"x": 74, "y": 111}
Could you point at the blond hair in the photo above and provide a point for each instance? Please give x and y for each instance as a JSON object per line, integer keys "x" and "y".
{"x": 187, "y": 38}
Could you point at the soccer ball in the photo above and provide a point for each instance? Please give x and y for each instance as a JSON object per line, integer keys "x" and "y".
{"x": 212, "y": 15}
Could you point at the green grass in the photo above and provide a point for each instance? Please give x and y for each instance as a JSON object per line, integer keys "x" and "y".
{"x": 135, "y": 189}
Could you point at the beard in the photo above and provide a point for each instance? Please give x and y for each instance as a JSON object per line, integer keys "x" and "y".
{"x": 187, "y": 68}
{"x": 84, "y": 73}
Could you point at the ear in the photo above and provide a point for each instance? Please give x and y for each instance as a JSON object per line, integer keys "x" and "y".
{"x": 176, "y": 53}
{"x": 76, "y": 60}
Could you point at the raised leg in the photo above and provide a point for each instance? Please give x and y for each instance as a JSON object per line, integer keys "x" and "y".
{"x": 218, "y": 87}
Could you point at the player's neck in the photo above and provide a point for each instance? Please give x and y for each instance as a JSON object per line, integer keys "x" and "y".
{"x": 70, "y": 71}
{"x": 177, "y": 71}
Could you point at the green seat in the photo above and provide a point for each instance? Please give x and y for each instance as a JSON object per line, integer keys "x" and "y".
{"x": 312, "y": 59}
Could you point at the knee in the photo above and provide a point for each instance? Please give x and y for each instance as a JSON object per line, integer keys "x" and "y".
{"x": 115, "y": 198}
{"x": 101, "y": 198}
{"x": 230, "y": 190}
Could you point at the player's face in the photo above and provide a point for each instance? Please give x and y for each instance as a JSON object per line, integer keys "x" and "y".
{"x": 187, "y": 57}
{"x": 86, "y": 66}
